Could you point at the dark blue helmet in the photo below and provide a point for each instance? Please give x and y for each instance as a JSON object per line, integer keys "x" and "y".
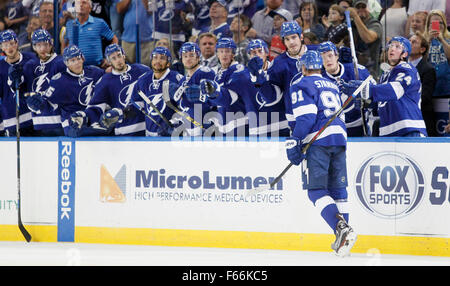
{"x": 7, "y": 36}
{"x": 72, "y": 51}
{"x": 257, "y": 44}
{"x": 289, "y": 28}
{"x": 326, "y": 47}
{"x": 162, "y": 51}
{"x": 190, "y": 47}
{"x": 41, "y": 35}
{"x": 403, "y": 41}
{"x": 226, "y": 43}
{"x": 311, "y": 60}
{"x": 112, "y": 49}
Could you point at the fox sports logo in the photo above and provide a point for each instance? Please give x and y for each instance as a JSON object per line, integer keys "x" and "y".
{"x": 390, "y": 185}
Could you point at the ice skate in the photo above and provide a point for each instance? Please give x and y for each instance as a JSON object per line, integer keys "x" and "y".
{"x": 345, "y": 238}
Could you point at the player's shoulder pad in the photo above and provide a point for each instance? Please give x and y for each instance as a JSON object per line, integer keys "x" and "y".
{"x": 297, "y": 78}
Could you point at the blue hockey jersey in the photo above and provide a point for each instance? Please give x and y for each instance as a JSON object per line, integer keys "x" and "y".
{"x": 37, "y": 77}
{"x": 353, "y": 120}
{"x": 166, "y": 19}
{"x": 236, "y": 105}
{"x": 315, "y": 100}
{"x": 8, "y": 97}
{"x": 398, "y": 95}
{"x": 195, "y": 110}
{"x": 71, "y": 92}
{"x": 201, "y": 16}
{"x": 114, "y": 90}
{"x": 152, "y": 88}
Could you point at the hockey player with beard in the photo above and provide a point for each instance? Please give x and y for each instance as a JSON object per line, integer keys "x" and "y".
{"x": 69, "y": 90}
{"x": 189, "y": 88}
{"x": 397, "y": 94}
{"x": 315, "y": 100}
{"x": 272, "y": 115}
{"x": 150, "y": 85}
{"x": 283, "y": 69}
{"x": 112, "y": 93}
{"x": 38, "y": 73}
{"x": 342, "y": 73}
{"x": 12, "y": 78}
{"x": 231, "y": 92}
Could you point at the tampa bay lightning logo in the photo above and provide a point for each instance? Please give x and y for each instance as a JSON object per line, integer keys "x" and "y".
{"x": 126, "y": 93}
{"x": 165, "y": 15}
{"x": 41, "y": 82}
{"x": 263, "y": 103}
{"x": 158, "y": 102}
{"x": 390, "y": 185}
{"x": 86, "y": 93}
{"x": 204, "y": 9}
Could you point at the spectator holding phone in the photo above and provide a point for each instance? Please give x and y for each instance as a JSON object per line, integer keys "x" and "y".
{"x": 439, "y": 39}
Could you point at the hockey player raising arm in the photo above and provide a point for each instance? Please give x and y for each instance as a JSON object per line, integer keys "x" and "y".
{"x": 315, "y": 100}
{"x": 70, "y": 90}
{"x": 38, "y": 73}
{"x": 397, "y": 94}
{"x": 112, "y": 93}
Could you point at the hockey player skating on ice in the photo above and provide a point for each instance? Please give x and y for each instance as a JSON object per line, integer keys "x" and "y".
{"x": 315, "y": 100}
{"x": 70, "y": 90}
{"x": 190, "y": 87}
{"x": 397, "y": 94}
{"x": 340, "y": 73}
{"x": 284, "y": 67}
{"x": 150, "y": 85}
{"x": 12, "y": 79}
{"x": 276, "y": 122}
{"x": 112, "y": 93}
{"x": 232, "y": 92}
{"x": 38, "y": 73}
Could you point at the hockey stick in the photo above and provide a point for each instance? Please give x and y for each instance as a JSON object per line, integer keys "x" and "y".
{"x": 25, "y": 233}
{"x": 355, "y": 67}
{"x": 346, "y": 103}
{"x": 166, "y": 98}
{"x": 150, "y": 103}
{"x": 141, "y": 109}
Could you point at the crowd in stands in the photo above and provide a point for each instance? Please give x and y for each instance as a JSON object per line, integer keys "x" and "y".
{"x": 92, "y": 25}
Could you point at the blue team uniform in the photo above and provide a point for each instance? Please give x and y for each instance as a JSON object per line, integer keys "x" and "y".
{"x": 236, "y": 96}
{"x": 194, "y": 110}
{"x": 114, "y": 90}
{"x": 353, "y": 119}
{"x": 201, "y": 15}
{"x": 71, "y": 92}
{"x": 152, "y": 88}
{"x": 398, "y": 96}
{"x": 165, "y": 17}
{"x": 37, "y": 76}
{"x": 8, "y": 106}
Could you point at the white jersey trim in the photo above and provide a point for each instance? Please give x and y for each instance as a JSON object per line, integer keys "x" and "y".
{"x": 389, "y": 129}
{"x": 331, "y": 130}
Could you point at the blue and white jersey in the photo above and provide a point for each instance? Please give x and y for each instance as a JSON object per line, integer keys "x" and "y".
{"x": 37, "y": 77}
{"x": 315, "y": 100}
{"x": 398, "y": 96}
{"x": 114, "y": 90}
{"x": 152, "y": 89}
{"x": 8, "y": 97}
{"x": 195, "y": 110}
{"x": 238, "y": 7}
{"x": 201, "y": 16}
{"x": 71, "y": 92}
{"x": 236, "y": 104}
{"x": 164, "y": 18}
{"x": 346, "y": 73}
{"x": 281, "y": 73}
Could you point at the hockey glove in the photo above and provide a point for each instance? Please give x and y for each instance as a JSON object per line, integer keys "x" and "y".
{"x": 173, "y": 87}
{"x": 15, "y": 73}
{"x": 193, "y": 93}
{"x": 345, "y": 55}
{"x": 111, "y": 117}
{"x": 78, "y": 119}
{"x": 255, "y": 65}
{"x": 294, "y": 150}
{"x": 35, "y": 101}
{"x": 350, "y": 87}
{"x": 208, "y": 90}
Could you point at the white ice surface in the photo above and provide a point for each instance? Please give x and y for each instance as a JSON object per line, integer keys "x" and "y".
{"x": 61, "y": 254}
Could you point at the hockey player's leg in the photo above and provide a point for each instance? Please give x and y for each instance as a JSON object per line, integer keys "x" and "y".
{"x": 345, "y": 237}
